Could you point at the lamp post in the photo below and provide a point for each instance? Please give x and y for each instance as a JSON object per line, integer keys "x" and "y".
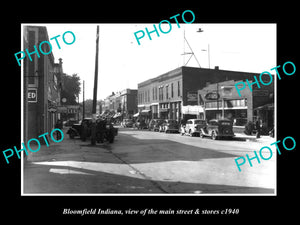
{"x": 208, "y": 51}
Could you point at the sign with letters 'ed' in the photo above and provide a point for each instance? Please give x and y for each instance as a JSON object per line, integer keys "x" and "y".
{"x": 32, "y": 95}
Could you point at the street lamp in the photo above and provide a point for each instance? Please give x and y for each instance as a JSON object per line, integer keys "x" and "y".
{"x": 208, "y": 52}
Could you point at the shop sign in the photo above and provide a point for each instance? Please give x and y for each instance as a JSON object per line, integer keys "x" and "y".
{"x": 192, "y": 96}
{"x": 62, "y": 109}
{"x": 212, "y": 96}
{"x": 261, "y": 93}
{"x": 32, "y": 95}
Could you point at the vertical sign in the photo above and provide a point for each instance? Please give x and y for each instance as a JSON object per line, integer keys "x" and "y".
{"x": 32, "y": 95}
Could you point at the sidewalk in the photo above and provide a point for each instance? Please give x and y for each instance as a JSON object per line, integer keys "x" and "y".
{"x": 264, "y": 139}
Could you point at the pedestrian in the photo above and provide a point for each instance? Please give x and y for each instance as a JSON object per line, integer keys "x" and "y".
{"x": 59, "y": 126}
{"x": 257, "y": 125}
{"x": 84, "y": 130}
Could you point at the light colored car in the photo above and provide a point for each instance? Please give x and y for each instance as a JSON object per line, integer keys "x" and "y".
{"x": 127, "y": 123}
{"x": 193, "y": 127}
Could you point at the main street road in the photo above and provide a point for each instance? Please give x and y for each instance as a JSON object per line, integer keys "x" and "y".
{"x": 146, "y": 162}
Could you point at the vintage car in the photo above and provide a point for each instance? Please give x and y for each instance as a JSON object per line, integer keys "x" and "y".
{"x": 141, "y": 124}
{"x": 217, "y": 128}
{"x": 104, "y": 130}
{"x": 193, "y": 127}
{"x": 77, "y": 128}
{"x": 127, "y": 123}
{"x": 169, "y": 126}
{"x": 70, "y": 122}
{"x": 154, "y": 124}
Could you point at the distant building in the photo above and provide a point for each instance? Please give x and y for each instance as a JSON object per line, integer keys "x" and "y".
{"x": 128, "y": 102}
{"x": 41, "y": 85}
{"x": 122, "y": 103}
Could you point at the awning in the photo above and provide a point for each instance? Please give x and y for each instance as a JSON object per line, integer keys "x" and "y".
{"x": 145, "y": 111}
{"x": 117, "y": 115}
{"x": 136, "y": 115}
{"x": 269, "y": 106}
{"x": 192, "y": 109}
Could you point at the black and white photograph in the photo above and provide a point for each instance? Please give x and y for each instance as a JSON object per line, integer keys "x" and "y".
{"x": 149, "y": 109}
{"x": 148, "y": 112}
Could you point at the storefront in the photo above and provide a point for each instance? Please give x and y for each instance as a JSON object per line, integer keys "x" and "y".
{"x": 234, "y": 109}
{"x": 193, "y": 112}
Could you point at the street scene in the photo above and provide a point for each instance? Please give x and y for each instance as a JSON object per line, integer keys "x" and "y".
{"x": 152, "y": 118}
{"x": 142, "y": 161}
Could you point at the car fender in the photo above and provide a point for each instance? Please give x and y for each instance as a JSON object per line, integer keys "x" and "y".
{"x": 72, "y": 130}
{"x": 203, "y": 131}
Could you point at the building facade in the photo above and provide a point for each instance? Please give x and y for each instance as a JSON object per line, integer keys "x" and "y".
{"x": 222, "y": 100}
{"x": 174, "y": 95}
{"x": 122, "y": 103}
{"x": 41, "y": 85}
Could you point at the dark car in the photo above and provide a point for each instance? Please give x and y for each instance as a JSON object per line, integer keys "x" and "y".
{"x": 141, "y": 124}
{"x": 169, "y": 126}
{"x": 154, "y": 124}
{"x": 217, "y": 128}
{"x": 104, "y": 130}
{"x": 70, "y": 122}
{"x": 77, "y": 129}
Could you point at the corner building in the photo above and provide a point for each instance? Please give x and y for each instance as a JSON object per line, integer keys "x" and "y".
{"x": 169, "y": 95}
{"x": 41, "y": 85}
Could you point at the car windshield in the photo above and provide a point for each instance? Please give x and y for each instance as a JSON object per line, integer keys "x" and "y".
{"x": 171, "y": 121}
{"x": 199, "y": 122}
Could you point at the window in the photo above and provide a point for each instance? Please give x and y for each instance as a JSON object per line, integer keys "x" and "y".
{"x": 153, "y": 97}
{"x": 172, "y": 93}
{"x": 178, "y": 88}
{"x": 167, "y": 91}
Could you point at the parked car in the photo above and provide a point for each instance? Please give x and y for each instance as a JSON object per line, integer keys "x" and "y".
{"x": 70, "y": 122}
{"x": 141, "y": 124}
{"x": 104, "y": 130}
{"x": 127, "y": 123}
{"x": 154, "y": 124}
{"x": 169, "y": 126}
{"x": 217, "y": 128}
{"x": 193, "y": 127}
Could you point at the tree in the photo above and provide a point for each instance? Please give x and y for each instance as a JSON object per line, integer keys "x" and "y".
{"x": 71, "y": 89}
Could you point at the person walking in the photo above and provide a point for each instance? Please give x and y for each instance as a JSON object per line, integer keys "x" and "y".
{"x": 258, "y": 128}
{"x": 58, "y": 125}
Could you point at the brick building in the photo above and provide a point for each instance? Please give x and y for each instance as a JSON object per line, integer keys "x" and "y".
{"x": 173, "y": 94}
{"x": 41, "y": 85}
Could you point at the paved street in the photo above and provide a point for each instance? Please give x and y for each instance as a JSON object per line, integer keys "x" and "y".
{"x": 146, "y": 162}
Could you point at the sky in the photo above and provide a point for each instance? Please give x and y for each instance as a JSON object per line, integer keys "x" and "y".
{"x": 123, "y": 63}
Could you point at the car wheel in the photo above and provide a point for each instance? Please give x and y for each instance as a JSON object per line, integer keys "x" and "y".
{"x": 213, "y": 136}
{"x": 201, "y": 134}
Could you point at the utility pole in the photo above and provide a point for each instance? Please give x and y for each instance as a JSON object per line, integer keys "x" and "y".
{"x": 83, "y": 104}
{"x": 96, "y": 74}
{"x": 93, "y": 125}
